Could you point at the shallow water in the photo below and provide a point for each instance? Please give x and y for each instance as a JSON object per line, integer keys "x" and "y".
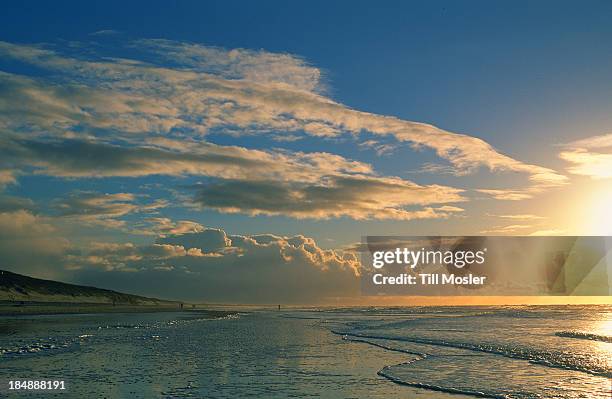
{"x": 511, "y": 352}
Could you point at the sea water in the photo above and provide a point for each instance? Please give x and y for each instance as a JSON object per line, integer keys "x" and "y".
{"x": 434, "y": 352}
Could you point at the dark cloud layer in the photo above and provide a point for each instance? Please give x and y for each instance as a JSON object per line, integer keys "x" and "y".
{"x": 359, "y": 197}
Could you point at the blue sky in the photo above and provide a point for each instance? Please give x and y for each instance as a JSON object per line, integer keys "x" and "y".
{"x": 518, "y": 94}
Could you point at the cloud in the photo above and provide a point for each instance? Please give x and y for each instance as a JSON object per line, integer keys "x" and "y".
{"x": 105, "y": 32}
{"x": 238, "y": 64}
{"x": 215, "y": 266}
{"x": 508, "y": 195}
{"x": 449, "y": 208}
{"x": 90, "y": 207}
{"x": 208, "y": 240}
{"x": 197, "y": 89}
{"x": 91, "y": 204}
{"x": 121, "y": 256}
{"x": 439, "y": 169}
{"x": 521, "y": 220}
{"x": 29, "y": 244}
{"x": 510, "y": 229}
{"x": 278, "y": 179}
{"x": 83, "y": 158}
{"x": 549, "y": 232}
{"x": 201, "y": 265}
{"x": 602, "y": 141}
{"x": 357, "y": 197}
{"x": 378, "y": 147}
{"x": 590, "y": 157}
{"x": 9, "y": 203}
{"x": 84, "y": 115}
{"x": 518, "y": 216}
{"x": 22, "y": 223}
{"x": 165, "y": 226}
{"x": 7, "y": 177}
{"x": 586, "y": 163}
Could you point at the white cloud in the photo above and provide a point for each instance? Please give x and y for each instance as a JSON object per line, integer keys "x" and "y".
{"x": 518, "y": 216}
{"x": 508, "y": 195}
{"x": 593, "y": 164}
{"x": 105, "y": 210}
{"x": 236, "y": 90}
{"x": 238, "y": 64}
{"x": 509, "y": 229}
{"x": 549, "y": 232}
{"x": 602, "y": 141}
{"x": 591, "y": 156}
{"x": 165, "y": 226}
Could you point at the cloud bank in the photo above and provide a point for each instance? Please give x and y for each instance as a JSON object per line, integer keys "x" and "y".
{"x": 213, "y": 265}
{"x": 92, "y": 115}
{"x": 79, "y": 112}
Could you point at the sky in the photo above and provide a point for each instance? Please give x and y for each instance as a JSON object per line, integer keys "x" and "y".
{"x": 237, "y": 151}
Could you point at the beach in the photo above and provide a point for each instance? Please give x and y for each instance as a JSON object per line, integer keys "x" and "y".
{"x": 59, "y": 308}
{"x": 439, "y": 352}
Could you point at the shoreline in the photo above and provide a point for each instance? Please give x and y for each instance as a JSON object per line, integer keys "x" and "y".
{"x": 59, "y": 308}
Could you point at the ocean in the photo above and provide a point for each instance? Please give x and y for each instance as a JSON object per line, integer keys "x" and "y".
{"x": 407, "y": 352}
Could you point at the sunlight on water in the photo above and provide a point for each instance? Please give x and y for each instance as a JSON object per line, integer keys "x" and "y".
{"x": 604, "y": 327}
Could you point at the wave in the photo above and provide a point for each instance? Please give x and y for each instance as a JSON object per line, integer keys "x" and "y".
{"x": 58, "y": 344}
{"x": 347, "y": 337}
{"x": 543, "y": 358}
{"x": 431, "y": 387}
{"x": 32, "y": 348}
{"x": 45, "y": 346}
{"x": 169, "y": 323}
{"x": 386, "y": 373}
{"x": 584, "y": 335}
{"x": 121, "y": 326}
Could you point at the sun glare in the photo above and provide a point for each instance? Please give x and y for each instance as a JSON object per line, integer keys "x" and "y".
{"x": 599, "y": 212}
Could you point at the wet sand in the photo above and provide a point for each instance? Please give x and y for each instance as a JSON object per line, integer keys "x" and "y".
{"x": 48, "y": 308}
